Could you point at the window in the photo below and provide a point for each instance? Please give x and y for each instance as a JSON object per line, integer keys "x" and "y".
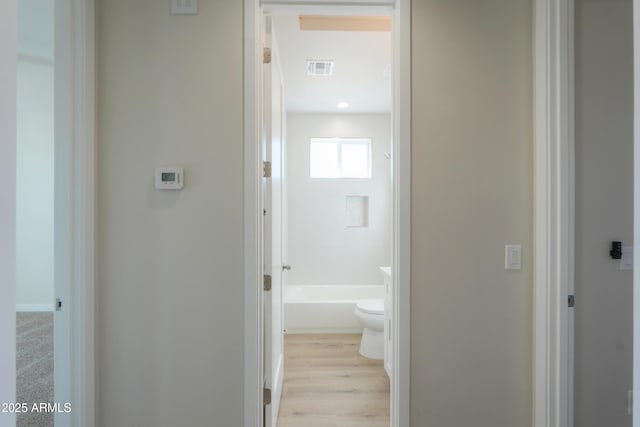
{"x": 340, "y": 158}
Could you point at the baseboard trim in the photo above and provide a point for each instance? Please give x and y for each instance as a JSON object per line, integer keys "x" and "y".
{"x": 33, "y": 307}
{"x": 293, "y": 331}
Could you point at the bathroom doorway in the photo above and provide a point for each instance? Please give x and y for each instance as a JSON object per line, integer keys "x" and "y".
{"x": 355, "y": 201}
{"x": 336, "y": 178}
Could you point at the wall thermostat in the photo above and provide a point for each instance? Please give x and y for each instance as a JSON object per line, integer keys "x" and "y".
{"x": 169, "y": 178}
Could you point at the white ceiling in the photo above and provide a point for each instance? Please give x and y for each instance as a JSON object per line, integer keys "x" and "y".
{"x": 362, "y": 71}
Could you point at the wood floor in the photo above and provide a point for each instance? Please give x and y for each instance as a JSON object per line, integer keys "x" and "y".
{"x": 328, "y": 384}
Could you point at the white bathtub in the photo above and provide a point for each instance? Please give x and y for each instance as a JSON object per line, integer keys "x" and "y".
{"x": 325, "y": 308}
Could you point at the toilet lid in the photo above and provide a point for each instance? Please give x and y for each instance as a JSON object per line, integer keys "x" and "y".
{"x": 371, "y": 306}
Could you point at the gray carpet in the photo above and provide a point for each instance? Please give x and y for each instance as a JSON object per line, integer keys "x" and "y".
{"x": 34, "y": 360}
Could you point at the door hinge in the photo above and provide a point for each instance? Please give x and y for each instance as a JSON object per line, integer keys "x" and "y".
{"x": 267, "y": 282}
{"x": 266, "y": 396}
{"x": 266, "y": 169}
{"x": 266, "y": 55}
{"x": 58, "y": 304}
{"x": 572, "y": 301}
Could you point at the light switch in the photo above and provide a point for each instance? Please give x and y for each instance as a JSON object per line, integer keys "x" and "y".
{"x": 184, "y": 7}
{"x": 513, "y": 257}
{"x": 626, "y": 262}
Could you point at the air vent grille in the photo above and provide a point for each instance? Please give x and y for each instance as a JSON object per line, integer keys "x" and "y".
{"x": 319, "y": 68}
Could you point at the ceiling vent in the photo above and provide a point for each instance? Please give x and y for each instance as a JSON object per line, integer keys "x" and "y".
{"x": 319, "y": 68}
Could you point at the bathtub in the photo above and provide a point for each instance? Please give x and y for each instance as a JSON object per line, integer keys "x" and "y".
{"x": 325, "y": 308}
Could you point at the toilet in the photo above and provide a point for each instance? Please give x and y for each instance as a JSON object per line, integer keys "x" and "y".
{"x": 370, "y": 314}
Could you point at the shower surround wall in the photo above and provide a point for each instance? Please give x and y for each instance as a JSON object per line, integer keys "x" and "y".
{"x": 322, "y": 249}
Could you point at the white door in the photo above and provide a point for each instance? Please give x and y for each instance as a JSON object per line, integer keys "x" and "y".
{"x": 272, "y": 190}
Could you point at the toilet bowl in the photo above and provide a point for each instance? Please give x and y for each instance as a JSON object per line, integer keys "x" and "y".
{"x": 370, "y": 314}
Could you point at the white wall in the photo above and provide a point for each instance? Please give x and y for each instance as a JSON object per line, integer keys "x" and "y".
{"x": 471, "y": 335}
{"x": 7, "y": 207}
{"x": 322, "y": 249}
{"x": 170, "y": 284}
{"x": 604, "y": 211}
{"x": 35, "y": 184}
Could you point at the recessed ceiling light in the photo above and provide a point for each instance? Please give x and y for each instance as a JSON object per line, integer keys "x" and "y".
{"x": 343, "y": 104}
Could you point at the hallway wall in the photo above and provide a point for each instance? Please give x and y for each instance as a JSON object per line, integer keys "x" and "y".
{"x": 170, "y": 284}
{"x": 604, "y": 211}
{"x": 471, "y": 342}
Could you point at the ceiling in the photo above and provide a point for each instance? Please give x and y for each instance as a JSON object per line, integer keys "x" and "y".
{"x": 362, "y": 70}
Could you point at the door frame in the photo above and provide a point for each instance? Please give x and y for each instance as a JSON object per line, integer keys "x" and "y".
{"x": 77, "y": 214}
{"x": 401, "y": 251}
{"x": 636, "y": 214}
{"x": 553, "y": 213}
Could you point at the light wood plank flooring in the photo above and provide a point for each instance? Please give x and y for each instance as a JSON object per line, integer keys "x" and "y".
{"x": 328, "y": 384}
